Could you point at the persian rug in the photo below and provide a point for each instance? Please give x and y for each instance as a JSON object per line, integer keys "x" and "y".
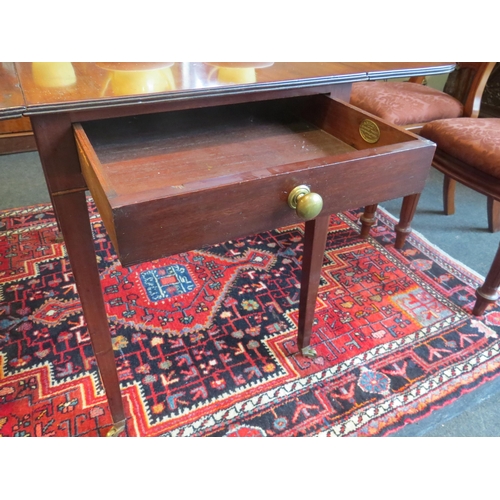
{"x": 205, "y": 340}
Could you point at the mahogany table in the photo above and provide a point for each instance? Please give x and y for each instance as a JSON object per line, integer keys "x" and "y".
{"x": 107, "y": 126}
{"x": 11, "y": 96}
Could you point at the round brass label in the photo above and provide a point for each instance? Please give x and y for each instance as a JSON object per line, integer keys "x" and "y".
{"x": 369, "y": 131}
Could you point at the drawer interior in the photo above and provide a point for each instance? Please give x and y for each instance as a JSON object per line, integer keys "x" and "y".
{"x": 171, "y": 182}
{"x": 182, "y": 150}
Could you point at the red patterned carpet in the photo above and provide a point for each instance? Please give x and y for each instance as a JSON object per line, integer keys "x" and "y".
{"x": 205, "y": 340}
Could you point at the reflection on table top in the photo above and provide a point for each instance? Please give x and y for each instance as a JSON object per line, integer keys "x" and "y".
{"x": 11, "y": 97}
{"x": 49, "y": 87}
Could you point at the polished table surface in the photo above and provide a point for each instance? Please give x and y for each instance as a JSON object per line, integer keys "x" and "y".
{"x": 58, "y": 96}
{"x": 49, "y": 87}
{"x": 12, "y": 103}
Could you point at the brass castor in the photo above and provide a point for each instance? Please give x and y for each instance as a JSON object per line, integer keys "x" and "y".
{"x": 309, "y": 352}
{"x": 116, "y": 429}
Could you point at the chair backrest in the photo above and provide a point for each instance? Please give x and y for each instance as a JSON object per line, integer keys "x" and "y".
{"x": 490, "y": 103}
{"x": 467, "y": 82}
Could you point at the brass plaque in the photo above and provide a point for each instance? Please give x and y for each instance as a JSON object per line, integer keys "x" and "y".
{"x": 369, "y": 131}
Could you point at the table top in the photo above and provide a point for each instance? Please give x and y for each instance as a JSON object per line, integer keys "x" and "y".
{"x": 41, "y": 87}
{"x": 12, "y": 103}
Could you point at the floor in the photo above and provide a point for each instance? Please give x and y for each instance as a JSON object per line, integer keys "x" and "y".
{"x": 463, "y": 236}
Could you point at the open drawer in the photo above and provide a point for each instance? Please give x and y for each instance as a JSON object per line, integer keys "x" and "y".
{"x": 172, "y": 182}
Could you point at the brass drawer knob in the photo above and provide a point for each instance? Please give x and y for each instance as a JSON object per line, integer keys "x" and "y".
{"x": 307, "y": 205}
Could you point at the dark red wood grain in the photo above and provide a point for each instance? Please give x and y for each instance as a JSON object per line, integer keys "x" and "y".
{"x": 238, "y": 200}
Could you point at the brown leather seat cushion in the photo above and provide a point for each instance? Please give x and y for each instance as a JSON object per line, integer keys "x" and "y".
{"x": 403, "y": 103}
{"x": 475, "y": 141}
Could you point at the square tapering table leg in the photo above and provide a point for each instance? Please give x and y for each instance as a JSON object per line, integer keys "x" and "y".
{"x": 315, "y": 235}
{"x": 75, "y": 225}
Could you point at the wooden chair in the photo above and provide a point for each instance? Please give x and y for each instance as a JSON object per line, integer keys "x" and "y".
{"x": 411, "y": 105}
{"x": 468, "y": 151}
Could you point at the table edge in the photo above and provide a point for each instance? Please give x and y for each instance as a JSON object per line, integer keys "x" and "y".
{"x": 10, "y": 113}
{"x": 230, "y": 90}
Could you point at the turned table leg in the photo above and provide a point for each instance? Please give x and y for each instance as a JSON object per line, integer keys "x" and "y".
{"x": 315, "y": 235}
{"x": 367, "y": 220}
{"x": 403, "y": 229}
{"x": 487, "y": 293}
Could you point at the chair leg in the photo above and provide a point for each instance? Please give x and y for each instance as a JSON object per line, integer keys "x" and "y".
{"x": 493, "y": 215}
{"x": 487, "y": 293}
{"x": 403, "y": 228}
{"x": 449, "y": 195}
{"x": 367, "y": 220}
